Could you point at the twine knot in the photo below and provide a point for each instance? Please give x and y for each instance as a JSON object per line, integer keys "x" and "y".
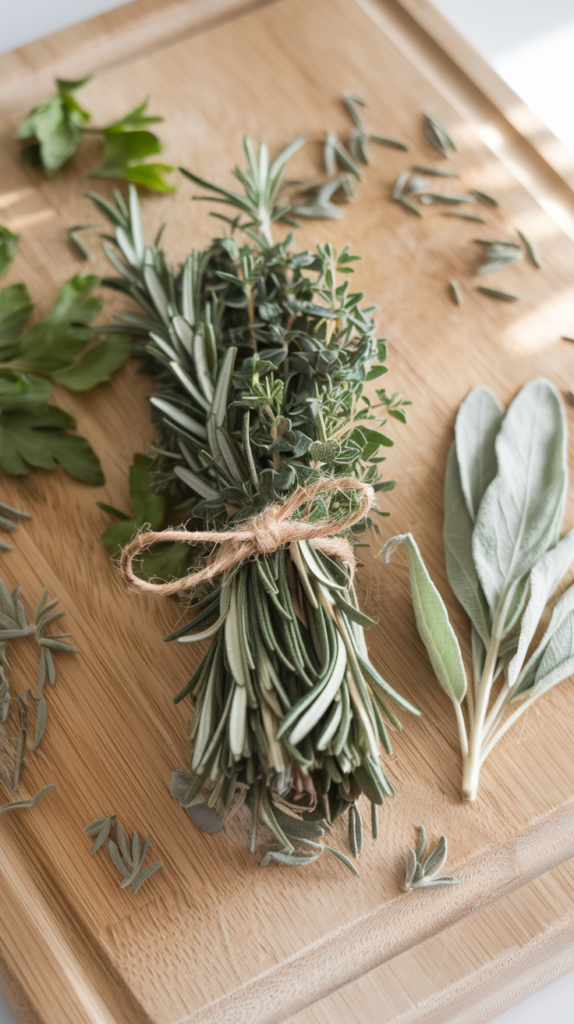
{"x": 263, "y": 534}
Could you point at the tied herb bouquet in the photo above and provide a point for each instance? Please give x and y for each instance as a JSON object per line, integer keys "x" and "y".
{"x": 269, "y": 446}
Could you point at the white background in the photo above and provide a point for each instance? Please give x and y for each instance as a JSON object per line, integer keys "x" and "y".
{"x": 531, "y": 44}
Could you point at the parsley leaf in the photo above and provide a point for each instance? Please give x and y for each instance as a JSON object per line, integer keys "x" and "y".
{"x": 56, "y": 126}
{"x": 164, "y": 560}
{"x": 51, "y": 345}
{"x": 126, "y": 144}
{"x": 33, "y": 433}
{"x": 96, "y": 364}
{"x": 15, "y": 308}
{"x": 8, "y": 246}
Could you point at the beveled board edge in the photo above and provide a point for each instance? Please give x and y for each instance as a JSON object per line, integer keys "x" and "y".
{"x": 106, "y": 41}
{"x": 264, "y": 999}
{"x": 518, "y": 114}
{"x": 365, "y": 944}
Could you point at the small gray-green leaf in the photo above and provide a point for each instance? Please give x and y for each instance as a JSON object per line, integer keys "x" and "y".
{"x": 544, "y": 579}
{"x": 457, "y": 535}
{"x": 520, "y": 514}
{"x": 477, "y": 424}
{"x": 433, "y": 622}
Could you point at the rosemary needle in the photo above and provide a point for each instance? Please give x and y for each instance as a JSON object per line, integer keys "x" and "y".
{"x": 409, "y": 206}
{"x": 530, "y": 249}
{"x": 485, "y": 198}
{"x": 495, "y": 294}
{"x": 455, "y": 291}
{"x": 436, "y": 171}
{"x": 464, "y": 216}
{"x": 566, "y": 338}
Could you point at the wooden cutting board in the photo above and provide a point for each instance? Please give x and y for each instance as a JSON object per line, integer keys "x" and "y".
{"x": 212, "y": 937}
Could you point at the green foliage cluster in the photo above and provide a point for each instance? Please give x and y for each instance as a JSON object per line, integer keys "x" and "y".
{"x": 57, "y": 126}
{"x": 63, "y": 347}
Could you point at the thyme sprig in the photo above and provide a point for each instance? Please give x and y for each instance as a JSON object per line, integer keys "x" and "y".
{"x": 262, "y": 355}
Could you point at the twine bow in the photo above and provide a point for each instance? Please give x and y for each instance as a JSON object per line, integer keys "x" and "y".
{"x": 263, "y": 534}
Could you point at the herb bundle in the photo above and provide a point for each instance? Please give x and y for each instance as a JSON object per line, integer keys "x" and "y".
{"x": 57, "y": 126}
{"x": 261, "y": 355}
{"x": 504, "y": 495}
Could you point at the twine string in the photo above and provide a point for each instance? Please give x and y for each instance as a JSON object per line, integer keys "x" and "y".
{"x": 263, "y": 534}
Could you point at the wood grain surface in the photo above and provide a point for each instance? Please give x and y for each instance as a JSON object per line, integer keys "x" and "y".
{"x": 213, "y": 937}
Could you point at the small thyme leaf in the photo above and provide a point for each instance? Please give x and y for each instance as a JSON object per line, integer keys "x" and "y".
{"x": 127, "y": 857}
{"x": 496, "y": 294}
{"x": 77, "y": 242}
{"x": 531, "y": 250}
{"x": 464, "y": 216}
{"x": 438, "y": 136}
{"x": 424, "y": 169}
{"x": 423, "y": 874}
{"x": 483, "y": 197}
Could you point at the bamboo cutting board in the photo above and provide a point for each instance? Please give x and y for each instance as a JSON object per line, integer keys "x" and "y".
{"x": 214, "y": 938}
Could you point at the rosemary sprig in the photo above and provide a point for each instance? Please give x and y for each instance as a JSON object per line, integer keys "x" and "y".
{"x": 73, "y": 233}
{"x": 128, "y": 857}
{"x": 422, "y": 872}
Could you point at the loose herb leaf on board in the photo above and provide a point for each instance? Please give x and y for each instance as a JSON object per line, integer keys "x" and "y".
{"x": 57, "y": 126}
{"x": 63, "y": 345}
{"x": 40, "y": 437}
{"x": 8, "y": 246}
{"x": 422, "y": 871}
{"x": 165, "y": 560}
{"x": 128, "y": 857}
{"x": 66, "y": 347}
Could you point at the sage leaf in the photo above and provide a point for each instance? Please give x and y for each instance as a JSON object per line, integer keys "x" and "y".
{"x": 457, "y": 535}
{"x": 544, "y": 578}
{"x": 557, "y": 663}
{"x": 16, "y": 805}
{"x": 432, "y": 620}
{"x": 563, "y": 609}
{"x": 520, "y": 514}
{"x": 477, "y": 424}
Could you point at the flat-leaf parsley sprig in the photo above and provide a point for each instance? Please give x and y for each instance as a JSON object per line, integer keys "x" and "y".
{"x": 57, "y": 126}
